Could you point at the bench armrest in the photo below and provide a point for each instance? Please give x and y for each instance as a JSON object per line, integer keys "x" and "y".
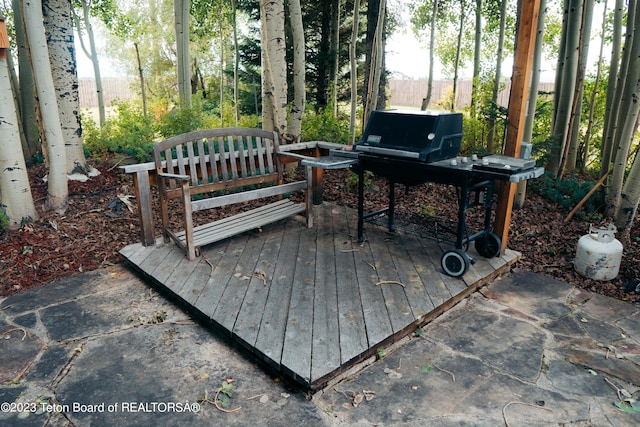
{"x": 174, "y": 176}
{"x": 294, "y": 155}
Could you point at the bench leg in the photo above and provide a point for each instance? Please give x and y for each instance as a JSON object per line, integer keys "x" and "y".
{"x": 188, "y": 221}
{"x": 145, "y": 214}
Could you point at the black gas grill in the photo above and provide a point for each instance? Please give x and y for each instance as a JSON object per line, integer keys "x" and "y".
{"x": 412, "y": 148}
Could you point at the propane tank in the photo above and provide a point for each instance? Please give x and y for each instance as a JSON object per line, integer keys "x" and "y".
{"x": 599, "y": 254}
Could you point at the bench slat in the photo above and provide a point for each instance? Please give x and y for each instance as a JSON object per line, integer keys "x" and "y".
{"x": 244, "y": 196}
{"x": 245, "y": 221}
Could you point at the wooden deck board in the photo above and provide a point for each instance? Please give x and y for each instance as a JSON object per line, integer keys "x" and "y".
{"x": 250, "y": 316}
{"x": 353, "y": 334}
{"x": 395, "y": 298}
{"x": 306, "y": 300}
{"x": 326, "y": 343}
{"x": 270, "y": 338}
{"x": 296, "y": 351}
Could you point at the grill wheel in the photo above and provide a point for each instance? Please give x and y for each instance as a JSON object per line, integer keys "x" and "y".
{"x": 455, "y": 263}
{"x": 488, "y": 245}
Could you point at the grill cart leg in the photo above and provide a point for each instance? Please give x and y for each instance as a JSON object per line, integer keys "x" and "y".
{"x": 392, "y": 204}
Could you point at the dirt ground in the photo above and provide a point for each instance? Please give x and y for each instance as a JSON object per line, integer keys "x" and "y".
{"x": 98, "y": 224}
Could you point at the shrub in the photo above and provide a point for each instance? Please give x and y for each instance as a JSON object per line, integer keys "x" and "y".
{"x": 323, "y": 126}
{"x": 565, "y": 192}
{"x": 4, "y": 218}
{"x": 129, "y": 132}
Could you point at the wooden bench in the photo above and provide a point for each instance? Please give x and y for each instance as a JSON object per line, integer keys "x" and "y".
{"x": 219, "y": 167}
{"x": 144, "y": 177}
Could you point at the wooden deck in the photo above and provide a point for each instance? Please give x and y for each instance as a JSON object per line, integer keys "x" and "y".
{"x": 312, "y": 303}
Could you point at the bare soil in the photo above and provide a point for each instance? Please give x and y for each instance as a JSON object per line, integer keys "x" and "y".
{"x": 98, "y": 224}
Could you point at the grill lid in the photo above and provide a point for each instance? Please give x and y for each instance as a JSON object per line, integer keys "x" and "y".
{"x": 419, "y": 135}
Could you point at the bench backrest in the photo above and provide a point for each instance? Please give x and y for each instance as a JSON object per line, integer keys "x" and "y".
{"x": 218, "y": 159}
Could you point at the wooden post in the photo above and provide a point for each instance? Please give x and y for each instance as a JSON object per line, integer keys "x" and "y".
{"x": 4, "y": 39}
{"x": 518, "y": 98}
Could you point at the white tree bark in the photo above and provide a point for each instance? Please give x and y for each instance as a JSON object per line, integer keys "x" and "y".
{"x": 274, "y": 71}
{"x": 354, "y": 71}
{"x": 627, "y": 206}
{"x": 299, "y": 95}
{"x": 93, "y": 55}
{"x": 183, "y": 62}
{"x": 57, "y": 189}
{"x": 62, "y": 56}
{"x": 15, "y": 192}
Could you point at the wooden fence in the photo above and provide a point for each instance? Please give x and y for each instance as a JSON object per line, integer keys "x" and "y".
{"x": 409, "y": 93}
{"x": 112, "y": 88}
{"x": 404, "y": 93}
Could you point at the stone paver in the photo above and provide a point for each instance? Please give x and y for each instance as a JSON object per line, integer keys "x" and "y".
{"x": 103, "y": 349}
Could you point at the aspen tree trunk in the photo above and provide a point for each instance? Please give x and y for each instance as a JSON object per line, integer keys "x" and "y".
{"x": 26, "y": 95}
{"x": 432, "y": 43}
{"x": 629, "y": 108}
{"x": 456, "y": 66}
{"x": 496, "y": 81}
{"x": 297, "y": 106}
{"x": 58, "y": 26}
{"x": 236, "y": 61}
{"x": 183, "y": 62}
{"x": 576, "y": 113}
{"x": 15, "y": 192}
{"x": 334, "y": 45}
{"x": 376, "y": 69}
{"x": 354, "y": 70}
{"x": 274, "y": 66}
{"x": 627, "y": 207}
{"x": 57, "y": 190}
{"x": 566, "y": 77}
{"x": 614, "y": 90}
{"x": 92, "y": 54}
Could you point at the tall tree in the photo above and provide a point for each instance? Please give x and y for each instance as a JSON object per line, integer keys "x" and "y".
{"x": 374, "y": 82}
{"x": 418, "y": 22}
{"x": 183, "y": 59}
{"x": 274, "y": 67}
{"x": 354, "y": 70}
{"x": 622, "y": 197}
{"x": 614, "y": 90}
{"x": 299, "y": 90}
{"x": 15, "y": 192}
{"x": 58, "y": 25}
{"x": 566, "y": 83}
{"x": 26, "y": 94}
{"x": 583, "y": 52}
{"x": 57, "y": 189}
{"x": 497, "y": 81}
{"x": 92, "y": 54}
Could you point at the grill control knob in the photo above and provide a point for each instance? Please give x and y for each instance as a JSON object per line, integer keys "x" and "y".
{"x": 474, "y": 157}
{"x": 453, "y": 162}
{"x": 465, "y": 160}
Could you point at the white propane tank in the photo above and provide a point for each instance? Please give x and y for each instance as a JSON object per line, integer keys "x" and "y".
{"x": 599, "y": 254}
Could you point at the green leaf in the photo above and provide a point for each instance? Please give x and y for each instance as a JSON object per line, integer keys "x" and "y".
{"x": 426, "y": 369}
{"x": 632, "y": 408}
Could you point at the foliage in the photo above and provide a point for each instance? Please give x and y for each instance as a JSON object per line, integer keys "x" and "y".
{"x": 565, "y": 192}
{"x": 323, "y": 126}
{"x": 4, "y": 218}
{"x": 129, "y": 132}
{"x": 182, "y": 120}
